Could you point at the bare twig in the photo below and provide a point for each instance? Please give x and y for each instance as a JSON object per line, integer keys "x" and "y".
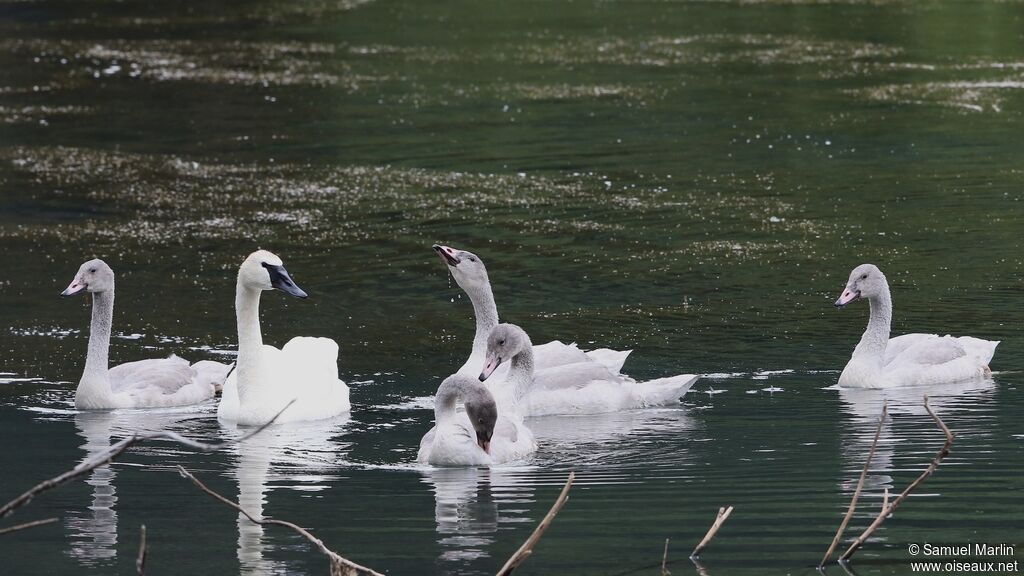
{"x": 526, "y": 549}
{"x": 889, "y": 508}
{"x": 140, "y": 562}
{"x": 856, "y": 493}
{"x": 115, "y": 450}
{"x": 664, "y": 561}
{"x": 339, "y": 564}
{"x": 723, "y": 515}
{"x": 31, "y": 524}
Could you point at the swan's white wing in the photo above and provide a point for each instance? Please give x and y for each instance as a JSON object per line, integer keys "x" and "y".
{"x": 212, "y": 373}
{"x": 556, "y": 353}
{"x": 310, "y": 358}
{"x": 575, "y": 375}
{"x": 612, "y": 359}
{"x": 159, "y": 376}
{"x": 899, "y": 344}
{"x": 929, "y": 351}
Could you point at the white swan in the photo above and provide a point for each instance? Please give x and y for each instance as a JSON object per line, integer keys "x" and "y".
{"x": 911, "y": 359}
{"x": 586, "y": 387}
{"x": 558, "y": 366}
{"x": 478, "y": 436}
{"x": 142, "y": 384}
{"x": 267, "y": 379}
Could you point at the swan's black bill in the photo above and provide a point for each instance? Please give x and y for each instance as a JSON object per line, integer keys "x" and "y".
{"x": 280, "y": 279}
{"x": 447, "y": 254}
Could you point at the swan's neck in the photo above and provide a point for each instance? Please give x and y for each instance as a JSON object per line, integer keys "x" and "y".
{"x": 520, "y": 373}
{"x": 94, "y": 387}
{"x": 876, "y": 336}
{"x": 486, "y": 312}
{"x": 250, "y": 342}
{"x": 447, "y": 397}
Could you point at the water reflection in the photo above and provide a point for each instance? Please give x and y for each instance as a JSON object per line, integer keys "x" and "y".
{"x": 620, "y": 438}
{"x": 305, "y": 456}
{"x": 958, "y": 404}
{"x": 469, "y": 504}
{"x": 94, "y": 534}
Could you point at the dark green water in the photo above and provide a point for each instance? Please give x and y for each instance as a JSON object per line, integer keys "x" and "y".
{"x": 692, "y": 180}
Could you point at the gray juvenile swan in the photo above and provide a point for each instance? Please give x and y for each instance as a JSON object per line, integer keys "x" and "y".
{"x": 477, "y": 436}
{"x": 579, "y": 388}
{"x": 142, "y": 384}
{"x": 911, "y": 359}
{"x": 558, "y": 367}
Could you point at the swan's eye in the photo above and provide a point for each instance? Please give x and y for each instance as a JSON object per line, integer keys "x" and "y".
{"x": 471, "y": 259}
{"x": 864, "y": 277}
{"x": 480, "y": 420}
{"x": 501, "y": 342}
{"x": 92, "y": 270}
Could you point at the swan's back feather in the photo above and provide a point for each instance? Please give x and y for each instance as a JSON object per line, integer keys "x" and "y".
{"x": 304, "y": 370}
{"x": 161, "y": 382}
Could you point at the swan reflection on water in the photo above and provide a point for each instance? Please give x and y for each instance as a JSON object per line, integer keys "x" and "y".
{"x": 959, "y": 405}
{"x": 304, "y": 456}
{"x": 93, "y": 534}
{"x": 472, "y": 503}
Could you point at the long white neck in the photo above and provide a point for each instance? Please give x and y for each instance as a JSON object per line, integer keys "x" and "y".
{"x": 448, "y": 395}
{"x": 876, "y": 336}
{"x": 486, "y": 312}
{"x": 94, "y": 387}
{"x": 520, "y": 373}
{"x": 250, "y": 343}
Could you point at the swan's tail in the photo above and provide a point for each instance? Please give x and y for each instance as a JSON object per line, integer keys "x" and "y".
{"x": 611, "y": 359}
{"x": 664, "y": 390}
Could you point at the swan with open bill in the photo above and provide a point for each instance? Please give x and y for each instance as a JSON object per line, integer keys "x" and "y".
{"x": 480, "y": 435}
{"x": 155, "y": 383}
{"x": 557, "y": 366}
{"x": 911, "y": 359}
{"x": 585, "y": 387}
{"x": 266, "y": 378}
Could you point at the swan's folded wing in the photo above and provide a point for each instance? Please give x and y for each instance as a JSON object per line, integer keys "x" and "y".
{"x": 930, "y": 352}
{"x": 612, "y": 359}
{"x": 212, "y": 373}
{"x": 163, "y": 375}
{"x": 555, "y": 353}
{"x": 576, "y": 375}
{"x": 900, "y": 344}
{"x": 309, "y": 358}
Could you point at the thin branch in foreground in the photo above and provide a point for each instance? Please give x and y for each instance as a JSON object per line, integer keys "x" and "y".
{"x": 856, "y": 492}
{"x": 664, "y": 561}
{"x": 339, "y": 564}
{"x": 723, "y": 515}
{"x": 889, "y": 508}
{"x": 115, "y": 450}
{"x": 31, "y": 524}
{"x": 140, "y": 562}
{"x": 526, "y": 549}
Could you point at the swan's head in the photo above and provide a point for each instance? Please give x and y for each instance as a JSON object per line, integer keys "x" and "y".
{"x": 467, "y": 268}
{"x": 263, "y": 270}
{"x": 866, "y": 281}
{"x": 482, "y": 412}
{"x": 94, "y": 276}
{"x": 504, "y": 342}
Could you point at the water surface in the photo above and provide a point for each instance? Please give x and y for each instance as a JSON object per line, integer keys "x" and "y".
{"x": 690, "y": 180}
